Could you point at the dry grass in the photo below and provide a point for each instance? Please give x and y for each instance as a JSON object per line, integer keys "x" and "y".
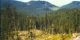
{"x": 39, "y": 35}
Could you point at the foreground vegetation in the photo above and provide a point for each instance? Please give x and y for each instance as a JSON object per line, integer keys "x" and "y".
{"x": 60, "y": 22}
{"x": 39, "y": 35}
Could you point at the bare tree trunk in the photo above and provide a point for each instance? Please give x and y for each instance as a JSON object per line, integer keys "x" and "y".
{"x": 34, "y": 28}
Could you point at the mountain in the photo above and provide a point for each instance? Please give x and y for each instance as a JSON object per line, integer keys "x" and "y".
{"x": 32, "y": 7}
{"x": 74, "y": 4}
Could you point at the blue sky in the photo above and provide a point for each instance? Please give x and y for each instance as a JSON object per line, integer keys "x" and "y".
{"x": 55, "y": 2}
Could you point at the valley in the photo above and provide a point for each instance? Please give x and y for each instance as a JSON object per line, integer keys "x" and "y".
{"x": 39, "y": 20}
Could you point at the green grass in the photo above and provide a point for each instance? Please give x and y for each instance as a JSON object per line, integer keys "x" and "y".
{"x": 54, "y": 37}
{"x": 54, "y": 8}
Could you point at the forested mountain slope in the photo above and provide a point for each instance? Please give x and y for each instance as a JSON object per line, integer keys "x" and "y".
{"x": 32, "y": 7}
{"x": 74, "y": 4}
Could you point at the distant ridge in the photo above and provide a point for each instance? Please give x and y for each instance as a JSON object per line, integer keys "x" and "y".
{"x": 74, "y": 4}
{"x": 32, "y": 7}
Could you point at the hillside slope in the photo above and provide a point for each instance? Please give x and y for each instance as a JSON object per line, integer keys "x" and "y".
{"x": 74, "y": 4}
{"x": 32, "y": 7}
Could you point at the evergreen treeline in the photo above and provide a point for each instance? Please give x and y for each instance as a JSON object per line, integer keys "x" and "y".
{"x": 63, "y": 21}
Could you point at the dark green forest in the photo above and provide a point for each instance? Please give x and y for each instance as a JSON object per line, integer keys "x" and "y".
{"x": 61, "y": 21}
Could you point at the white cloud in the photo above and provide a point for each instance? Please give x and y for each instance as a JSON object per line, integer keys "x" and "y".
{"x": 55, "y": 2}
